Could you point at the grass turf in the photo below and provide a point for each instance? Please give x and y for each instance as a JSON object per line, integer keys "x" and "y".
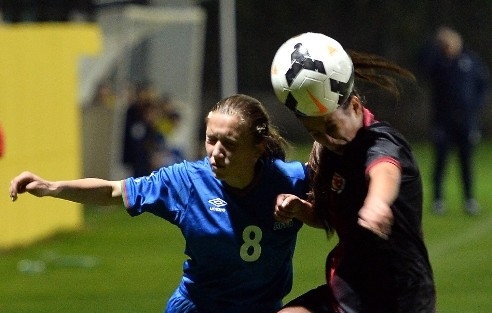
{"x": 122, "y": 264}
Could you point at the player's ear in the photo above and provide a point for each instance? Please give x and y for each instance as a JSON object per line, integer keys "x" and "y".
{"x": 356, "y": 105}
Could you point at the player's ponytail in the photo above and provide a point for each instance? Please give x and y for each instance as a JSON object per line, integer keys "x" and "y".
{"x": 379, "y": 71}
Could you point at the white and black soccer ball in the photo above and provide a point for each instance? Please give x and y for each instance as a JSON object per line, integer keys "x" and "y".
{"x": 312, "y": 74}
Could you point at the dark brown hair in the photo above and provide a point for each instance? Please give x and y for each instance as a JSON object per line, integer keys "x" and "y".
{"x": 379, "y": 71}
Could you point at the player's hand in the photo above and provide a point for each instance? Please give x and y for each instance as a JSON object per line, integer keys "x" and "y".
{"x": 287, "y": 207}
{"x": 377, "y": 217}
{"x": 28, "y": 182}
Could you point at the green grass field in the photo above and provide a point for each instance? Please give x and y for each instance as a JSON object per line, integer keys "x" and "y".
{"x": 122, "y": 264}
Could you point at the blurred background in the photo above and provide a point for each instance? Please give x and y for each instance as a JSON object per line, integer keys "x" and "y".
{"x": 71, "y": 69}
{"x": 227, "y": 46}
{"x": 234, "y": 42}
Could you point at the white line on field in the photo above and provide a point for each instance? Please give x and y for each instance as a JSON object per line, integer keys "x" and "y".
{"x": 443, "y": 247}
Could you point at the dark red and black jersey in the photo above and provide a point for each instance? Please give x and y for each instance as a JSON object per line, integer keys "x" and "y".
{"x": 367, "y": 273}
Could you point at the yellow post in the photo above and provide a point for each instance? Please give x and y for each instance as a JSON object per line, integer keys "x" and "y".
{"x": 41, "y": 119}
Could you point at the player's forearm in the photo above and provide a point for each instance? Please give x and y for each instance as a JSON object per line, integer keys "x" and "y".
{"x": 87, "y": 191}
{"x": 308, "y": 216}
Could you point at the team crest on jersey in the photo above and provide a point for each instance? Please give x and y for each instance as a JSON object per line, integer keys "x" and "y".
{"x": 217, "y": 205}
{"x": 337, "y": 183}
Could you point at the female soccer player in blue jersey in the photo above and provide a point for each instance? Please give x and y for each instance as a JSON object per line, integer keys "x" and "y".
{"x": 366, "y": 187}
{"x": 239, "y": 256}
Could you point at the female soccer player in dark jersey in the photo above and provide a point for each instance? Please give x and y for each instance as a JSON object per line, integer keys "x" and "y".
{"x": 367, "y": 188}
{"x": 239, "y": 256}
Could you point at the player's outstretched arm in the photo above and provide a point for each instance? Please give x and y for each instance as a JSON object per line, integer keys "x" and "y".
{"x": 87, "y": 190}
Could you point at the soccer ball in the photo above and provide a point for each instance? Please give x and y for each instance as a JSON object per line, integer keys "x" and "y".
{"x": 312, "y": 74}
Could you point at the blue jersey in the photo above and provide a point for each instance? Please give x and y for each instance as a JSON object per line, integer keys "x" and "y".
{"x": 240, "y": 258}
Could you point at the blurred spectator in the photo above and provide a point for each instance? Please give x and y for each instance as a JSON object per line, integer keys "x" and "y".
{"x": 459, "y": 82}
{"x": 149, "y": 121}
{"x": 151, "y": 145}
{"x": 105, "y": 96}
{"x": 169, "y": 116}
{"x": 167, "y": 124}
{"x": 136, "y": 127}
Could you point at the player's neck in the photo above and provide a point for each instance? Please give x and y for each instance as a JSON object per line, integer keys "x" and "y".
{"x": 246, "y": 183}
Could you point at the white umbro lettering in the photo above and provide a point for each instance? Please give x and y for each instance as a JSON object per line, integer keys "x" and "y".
{"x": 216, "y": 209}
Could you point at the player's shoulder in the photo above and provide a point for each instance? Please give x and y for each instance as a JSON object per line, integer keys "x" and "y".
{"x": 384, "y": 131}
{"x": 294, "y": 169}
{"x": 184, "y": 169}
{"x": 188, "y": 165}
{"x": 388, "y": 141}
{"x": 197, "y": 165}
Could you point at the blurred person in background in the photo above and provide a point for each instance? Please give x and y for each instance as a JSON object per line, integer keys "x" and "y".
{"x": 459, "y": 82}
{"x": 149, "y": 122}
{"x": 105, "y": 96}
{"x": 239, "y": 256}
{"x": 136, "y": 128}
{"x": 150, "y": 144}
{"x": 167, "y": 123}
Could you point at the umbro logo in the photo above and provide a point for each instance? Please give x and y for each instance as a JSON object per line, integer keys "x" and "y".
{"x": 217, "y": 202}
{"x": 217, "y": 205}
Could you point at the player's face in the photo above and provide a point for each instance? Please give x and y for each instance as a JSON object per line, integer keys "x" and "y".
{"x": 333, "y": 130}
{"x": 321, "y": 133}
{"x": 231, "y": 149}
